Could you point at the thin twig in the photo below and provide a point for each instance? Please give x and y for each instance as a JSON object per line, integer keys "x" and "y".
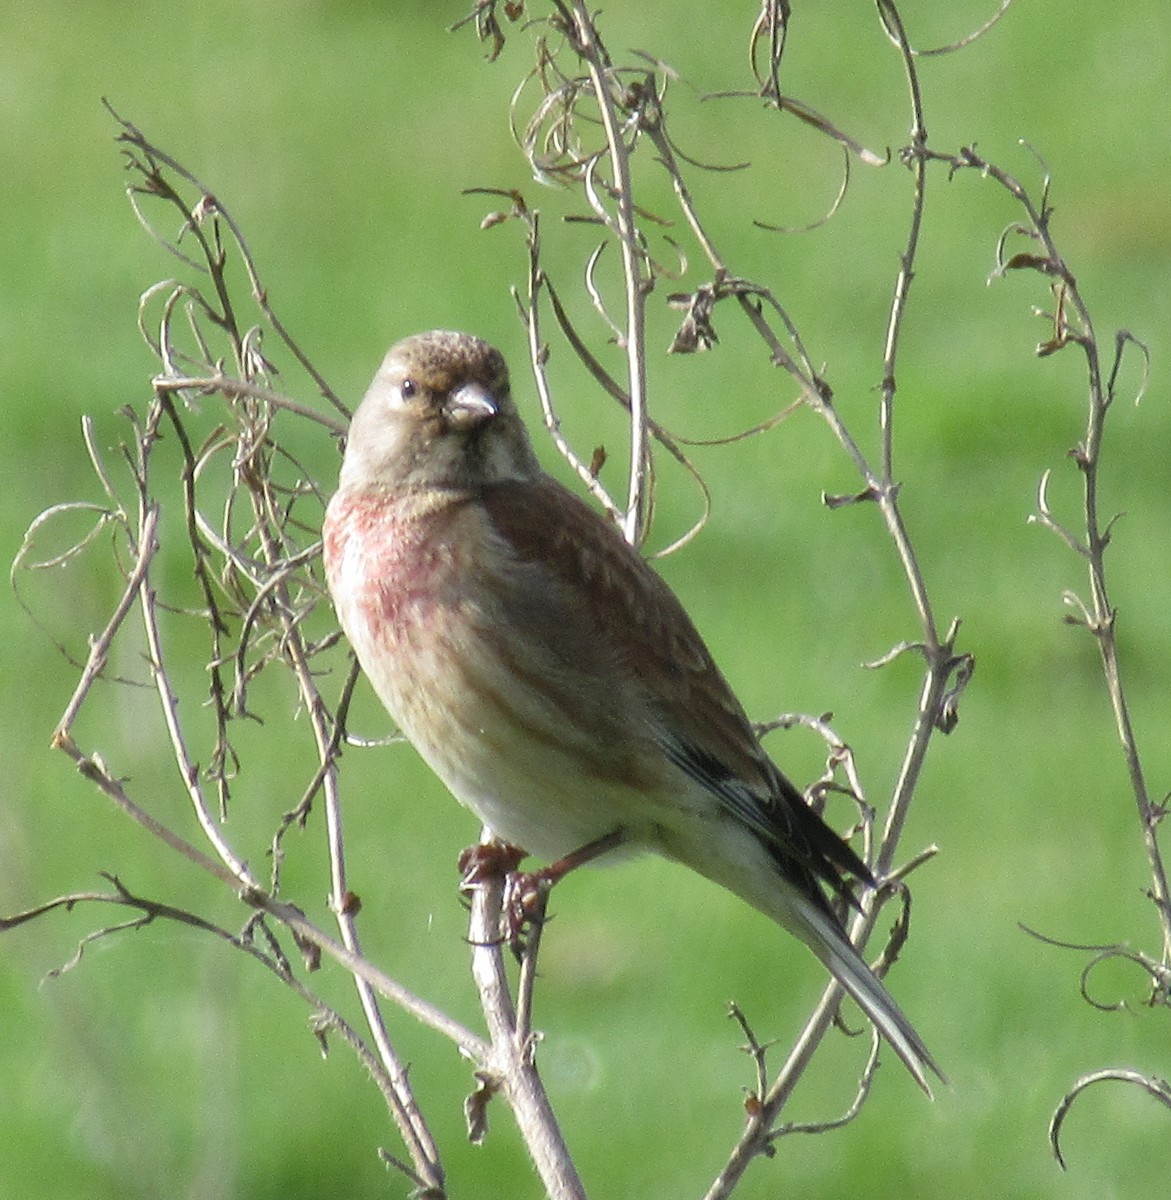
{"x": 589, "y": 46}
{"x": 1160, "y": 1089}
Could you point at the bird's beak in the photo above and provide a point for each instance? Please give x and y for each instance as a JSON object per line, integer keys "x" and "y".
{"x": 470, "y": 406}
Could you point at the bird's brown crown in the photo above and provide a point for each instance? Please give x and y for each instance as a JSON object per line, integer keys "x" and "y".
{"x": 442, "y": 360}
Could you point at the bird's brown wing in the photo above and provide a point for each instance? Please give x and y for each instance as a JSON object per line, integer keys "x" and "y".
{"x": 598, "y": 583}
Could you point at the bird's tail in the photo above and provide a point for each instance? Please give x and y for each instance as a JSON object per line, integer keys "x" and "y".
{"x": 790, "y": 895}
{"x": 820, "y": 931}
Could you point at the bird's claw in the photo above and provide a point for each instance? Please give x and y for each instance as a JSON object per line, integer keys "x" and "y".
{"x": 525, "y": 892}
{"x": 525, "y": 895}
{"x": 488, "y": 860}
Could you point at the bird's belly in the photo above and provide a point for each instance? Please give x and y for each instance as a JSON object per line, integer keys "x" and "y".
{"x": 547, "y": 814}
{"x": 502, "y": 748}
{"x": 505, "y": 756}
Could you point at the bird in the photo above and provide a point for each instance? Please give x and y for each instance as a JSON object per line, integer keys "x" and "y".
{"x": 549, "y": 676}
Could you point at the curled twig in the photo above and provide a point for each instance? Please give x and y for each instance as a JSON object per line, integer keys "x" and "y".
{"x": 1152, "y": 1085}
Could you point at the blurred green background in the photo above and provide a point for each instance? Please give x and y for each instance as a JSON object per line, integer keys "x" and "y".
{"x": 341, "y": 136}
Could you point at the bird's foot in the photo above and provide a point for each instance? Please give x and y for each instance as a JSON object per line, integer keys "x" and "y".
{"x": 525, "y": 892}
{"x": 488, "y": 860}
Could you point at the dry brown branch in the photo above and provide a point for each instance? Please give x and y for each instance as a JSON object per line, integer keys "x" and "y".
{"x": 1071, "y": 325}
{"x": 511, "y": 1068}
{"x": 215, "y": 441}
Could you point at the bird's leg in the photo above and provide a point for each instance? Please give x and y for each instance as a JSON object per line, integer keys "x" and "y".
{"x": 556, "y": 872}
{"x": 525, "y": 892}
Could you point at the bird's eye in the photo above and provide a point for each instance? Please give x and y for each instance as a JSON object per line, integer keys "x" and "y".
{"x": 408, "y": 389}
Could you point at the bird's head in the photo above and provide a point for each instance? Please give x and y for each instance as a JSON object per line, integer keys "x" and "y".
{"x": 438, "y": 414}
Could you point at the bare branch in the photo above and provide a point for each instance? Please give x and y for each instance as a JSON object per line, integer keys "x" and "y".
{"x": 511, "y": 1067}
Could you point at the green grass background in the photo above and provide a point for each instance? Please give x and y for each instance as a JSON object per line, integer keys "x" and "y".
{"x": 341, "y": 136}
